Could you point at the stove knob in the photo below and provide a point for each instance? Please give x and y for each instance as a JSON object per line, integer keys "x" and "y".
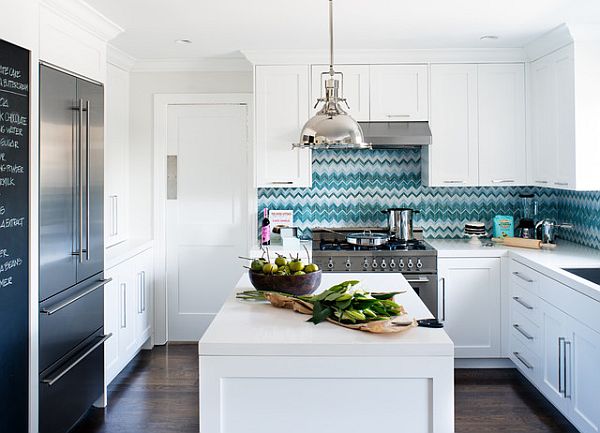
{"x": 365, "y": 264}
{"x": 410, "y": 264}
{"x": 348, "y": 264}
{"x": 392, "y": 263}
{"x": 419, "y": 264}
{"x": 374, "y": 264}
{"x": 383, "y": 264}
{"x": 401, "y": 264}
{"x": 330, "y": 264}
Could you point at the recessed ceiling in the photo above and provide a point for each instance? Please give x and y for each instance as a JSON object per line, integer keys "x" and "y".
{"x": 224, "y": 27}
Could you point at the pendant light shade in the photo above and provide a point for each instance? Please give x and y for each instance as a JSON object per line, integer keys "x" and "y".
{"x": 332, "y": 127}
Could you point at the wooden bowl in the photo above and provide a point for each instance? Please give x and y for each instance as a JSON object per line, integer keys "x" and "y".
{"x": 293, "y": 284}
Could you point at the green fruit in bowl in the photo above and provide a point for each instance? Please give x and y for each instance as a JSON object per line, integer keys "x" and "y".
{"x": 257, "y": 265}
{"x": 311, "y": 267}
{"x": 296, "y": 265}
{"x": 299, "y": 273}
{"x": 280, "y": 261}
{"x": 269, "y": 268}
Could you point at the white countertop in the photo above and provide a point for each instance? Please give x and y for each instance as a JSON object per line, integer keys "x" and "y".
{"x": 549, "y": 262}
{"x": 246, "y": 329}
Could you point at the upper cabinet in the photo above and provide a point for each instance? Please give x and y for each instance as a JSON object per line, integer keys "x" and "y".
{"x": 355, "y": 88}
{"x": 399, "y": 92}
{"x": 452, "y": 158}
{"x": 502, "y": 139}
{"x": 477, "y": 120}
{"x": 282, "y": 108}
{"x": 552, "y": 151}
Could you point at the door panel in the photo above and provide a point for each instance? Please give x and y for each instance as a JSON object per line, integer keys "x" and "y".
{"x": 57, "y": 180}
{"x": 93, "y": 262}
{"x": 206, "y": 223}
{"x": 399, "y": 93}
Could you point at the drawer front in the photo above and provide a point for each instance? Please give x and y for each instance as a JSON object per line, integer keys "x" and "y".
{"x": 525, "y": 303}
{"x": 526, "y": 361}
{"x": 525, "y": 277}
{"x": 67, "y": 327}
{"x": 526, "y": 332}
{"x": 68, "y": 397}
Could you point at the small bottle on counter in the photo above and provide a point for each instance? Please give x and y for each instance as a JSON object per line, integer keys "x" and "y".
{"x": 265, "y": 231}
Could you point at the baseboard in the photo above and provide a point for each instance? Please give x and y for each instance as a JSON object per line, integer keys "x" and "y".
{"x": 483, "y": 363}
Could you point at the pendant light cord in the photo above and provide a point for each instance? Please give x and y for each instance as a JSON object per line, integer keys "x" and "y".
{"x": 331, "y": 72}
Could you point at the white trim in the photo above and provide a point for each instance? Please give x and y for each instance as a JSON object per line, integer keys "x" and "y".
{"x": 483, "y": 363}
{"x": 208, "y": 64}
{"x": 373, "y": 57}
{"x": 161, "y": 104}
{"x": 550, "y": 41}
{"x": 119, "y": 58}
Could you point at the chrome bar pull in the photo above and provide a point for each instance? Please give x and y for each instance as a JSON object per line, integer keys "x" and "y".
{"x": 124, "y": 305}
{"x": 87, "y": 180}
{"x": 443, "y": 299}
{"x": 77, "y": 296}
{"x": 143, "y": 291}
{"x": 523, "y": 303}
{"x": 567, "y": 392}
{"x": 524, "y": 278}
{"x": 523, "y": 360}
{"x": 522, "y": 332}
{"x": 561, "y": 388}
{"x": 80, "y": 178}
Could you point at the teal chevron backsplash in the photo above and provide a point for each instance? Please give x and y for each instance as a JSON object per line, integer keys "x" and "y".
{"x": 351, "y": 187}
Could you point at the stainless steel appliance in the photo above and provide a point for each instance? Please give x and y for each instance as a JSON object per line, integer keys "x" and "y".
{"x": 415, "y": 259}
{"x": 396, "y": 134}
{"x": 400, "y": 222}
{"x": 529, "y": 211}
{"x": 71, "y": 323}
{"x": 546, "y": 230}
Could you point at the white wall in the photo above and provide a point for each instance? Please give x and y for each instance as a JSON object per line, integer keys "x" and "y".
{"x": 143, "y": 87}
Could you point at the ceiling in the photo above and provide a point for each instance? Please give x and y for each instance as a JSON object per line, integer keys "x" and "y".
{"x": 224, "y": 27}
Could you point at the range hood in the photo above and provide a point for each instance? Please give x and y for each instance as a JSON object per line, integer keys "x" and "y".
{"x": 392, "y": 135}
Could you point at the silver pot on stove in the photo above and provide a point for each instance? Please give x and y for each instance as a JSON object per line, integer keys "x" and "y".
{"x": 400, "y": 222}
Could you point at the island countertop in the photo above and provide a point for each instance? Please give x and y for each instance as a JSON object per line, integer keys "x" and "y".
{"x": 256, "y": 329}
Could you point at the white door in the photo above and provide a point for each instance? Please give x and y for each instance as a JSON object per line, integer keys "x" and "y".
{"x": 399, "y": 93}
{"x": 501, "y": 102}
{"x": 355, "y": 88}
{"x": 453, "y": 154}
{"x": 470, "y": 305}
{"x": 206, "y": 212}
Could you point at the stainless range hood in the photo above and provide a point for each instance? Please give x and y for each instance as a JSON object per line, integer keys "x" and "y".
{"x": 393, "y": 135}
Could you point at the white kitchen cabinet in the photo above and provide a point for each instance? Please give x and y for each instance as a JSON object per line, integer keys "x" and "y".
{"x": 552, "y": 155}
{"x": 116, "y": 156}
{"x": 469, "y": 296}
{"x": 399, "y": 93}
{"x": 452, "y": 159}
{"x": 281, "y": 108}
{"x": 127, "y": 310}
{"x": 501, "y": 124}
{"x": 355, "y": 88}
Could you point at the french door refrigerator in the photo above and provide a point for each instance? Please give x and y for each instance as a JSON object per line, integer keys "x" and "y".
{"x": 71, "y": 321}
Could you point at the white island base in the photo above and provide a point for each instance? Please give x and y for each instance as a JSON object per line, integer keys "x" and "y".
{"x": 266, "y": 370}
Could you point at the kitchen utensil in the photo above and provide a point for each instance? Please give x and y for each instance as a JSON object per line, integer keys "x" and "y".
{"x": 400, "y": 222}
{"x": 430, "y": 323}
{"x": 363, "y": 239}
{"x": 293, "y": 284}
{"x": 545, "y": 230}
{"x": 523, "y": 243}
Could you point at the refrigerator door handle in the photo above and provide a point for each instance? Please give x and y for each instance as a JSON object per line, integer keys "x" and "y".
{"x": 80, "y": 178}
{"x": 77, "y": 296}
{"x": 87, "y": 180}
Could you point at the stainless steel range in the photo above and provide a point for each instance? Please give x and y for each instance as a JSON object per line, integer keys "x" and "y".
{"x": 415, "y": 259}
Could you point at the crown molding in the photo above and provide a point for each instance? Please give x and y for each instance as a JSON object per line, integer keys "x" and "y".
{"x": 84, "y": 16}
{"x": 207, "y": 64}
{"x": 550, "y": 41}
{"x": 379, "y": 56}
{"x": 119, "y": 58}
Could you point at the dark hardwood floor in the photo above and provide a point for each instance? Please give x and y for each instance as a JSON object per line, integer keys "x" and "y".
{"x": 158, "y": 393}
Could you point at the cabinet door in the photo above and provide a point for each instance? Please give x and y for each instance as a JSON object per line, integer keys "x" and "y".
{"x": 470, "y": 305}
{"x": 282, "y": 101}
{"x": 111, "y": 325}
{"x": 554, "y": 334}
{"x": 399, "y": 92}
{"x": 584, "y": 381}
{"x": 453, "y": 155}
{"x": 355, "y": 88}
{"x": 127, "y": 312}
{"x": 501, "y": 103}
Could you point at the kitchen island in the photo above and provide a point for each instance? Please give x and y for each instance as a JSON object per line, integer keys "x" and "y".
{"x": 267, "y": 370}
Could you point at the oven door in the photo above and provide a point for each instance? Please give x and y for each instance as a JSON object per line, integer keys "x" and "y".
{"x": 426, "y": 287}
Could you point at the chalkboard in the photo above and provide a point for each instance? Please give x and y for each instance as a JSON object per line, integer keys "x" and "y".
{"x": 14, "y": 237}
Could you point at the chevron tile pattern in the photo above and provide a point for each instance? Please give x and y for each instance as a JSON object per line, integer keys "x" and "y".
{"x": 350, "y": 188}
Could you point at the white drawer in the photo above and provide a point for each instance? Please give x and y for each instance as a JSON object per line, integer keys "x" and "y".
{"x": 525, "y": 303}
{"x": 526, "y": 332}
{"x": 525, "y": 277}
{"x": 526, "y": 361}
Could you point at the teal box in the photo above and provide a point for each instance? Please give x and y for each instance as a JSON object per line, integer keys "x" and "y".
{"x": 504, "y": 226}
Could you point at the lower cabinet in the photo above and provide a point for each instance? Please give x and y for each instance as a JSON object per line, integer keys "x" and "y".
{"x": 469, "y": 297}
{"x": 127, "y": 306}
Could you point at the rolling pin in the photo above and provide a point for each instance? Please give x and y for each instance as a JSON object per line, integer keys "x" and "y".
{"x": 524, "y": 243}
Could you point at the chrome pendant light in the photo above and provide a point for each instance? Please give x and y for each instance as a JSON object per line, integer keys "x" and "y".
{"x": 332, "y": 127}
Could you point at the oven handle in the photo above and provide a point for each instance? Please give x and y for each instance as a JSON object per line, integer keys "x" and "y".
{"x": 418, "y": 280}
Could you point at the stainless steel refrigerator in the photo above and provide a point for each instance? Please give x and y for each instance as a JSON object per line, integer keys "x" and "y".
{"x": 71, "y": 332}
